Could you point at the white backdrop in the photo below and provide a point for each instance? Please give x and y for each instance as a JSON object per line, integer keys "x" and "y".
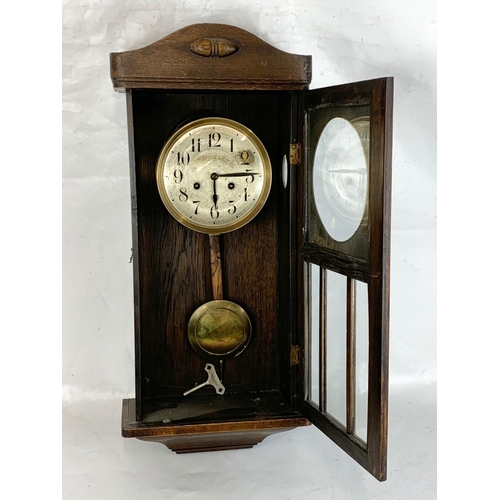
{"x": 349, "y": 41}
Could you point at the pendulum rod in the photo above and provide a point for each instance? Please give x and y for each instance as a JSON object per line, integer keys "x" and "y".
{"x": 216, "y": 267}
{"x": 216, "y": 270}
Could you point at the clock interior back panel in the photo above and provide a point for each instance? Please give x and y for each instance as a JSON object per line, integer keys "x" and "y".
{"x": 174, "y": 276}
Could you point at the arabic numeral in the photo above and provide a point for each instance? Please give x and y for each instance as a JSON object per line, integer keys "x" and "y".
{"x": 213, "y": 140}
{"x": 245, "y": 155}
{"x": 183, "y": 158}
{"x": 214, "y": 213}
{"x": 195, "y": 145}
{"x": 183, "y": 196}
{"x": 232, "y": 209}
{"x": 178, "y": 176}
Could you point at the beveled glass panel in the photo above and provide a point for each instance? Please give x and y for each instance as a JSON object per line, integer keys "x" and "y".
{"x": 314, "y": 334}
{"x": 340, "y": 176}
{"x": 336, "y": 346}
{"x": 338, "y": 170}
{"x": 361, "y": 360}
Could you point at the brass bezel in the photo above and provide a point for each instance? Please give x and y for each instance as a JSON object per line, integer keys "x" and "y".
{"x": 266, "y": 186}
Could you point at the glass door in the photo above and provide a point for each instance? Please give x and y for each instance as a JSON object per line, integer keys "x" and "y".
{"x": 343, "y": 280}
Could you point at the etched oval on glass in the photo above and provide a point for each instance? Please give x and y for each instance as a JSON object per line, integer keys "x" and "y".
{"x": 340, "y": 176}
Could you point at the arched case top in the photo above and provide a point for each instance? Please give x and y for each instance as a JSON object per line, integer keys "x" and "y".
{"x": 210, "y": 56}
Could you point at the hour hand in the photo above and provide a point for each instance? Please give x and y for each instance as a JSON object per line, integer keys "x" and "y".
{"x": 215, "y": 197}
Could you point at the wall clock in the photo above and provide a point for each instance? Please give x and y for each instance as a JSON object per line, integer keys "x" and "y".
{"x": 261, "y": 225}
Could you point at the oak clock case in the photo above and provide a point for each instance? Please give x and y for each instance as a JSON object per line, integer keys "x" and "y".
{"x": 251, "y": 196}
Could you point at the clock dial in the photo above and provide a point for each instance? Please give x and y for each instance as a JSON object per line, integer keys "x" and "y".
{"x": 214, "y": 175}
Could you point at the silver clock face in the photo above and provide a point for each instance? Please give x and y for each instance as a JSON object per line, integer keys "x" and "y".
{"x": 214, "y": 175}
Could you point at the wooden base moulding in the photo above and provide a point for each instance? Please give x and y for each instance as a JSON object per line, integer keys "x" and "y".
{"x": 191, "y": 438}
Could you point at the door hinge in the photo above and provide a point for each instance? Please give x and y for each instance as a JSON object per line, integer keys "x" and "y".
{"x": 295, "y": 153}
{"x": 294, "y": 355}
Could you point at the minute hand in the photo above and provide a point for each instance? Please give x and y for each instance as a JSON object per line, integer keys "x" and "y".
{"x": 237, "y": 174}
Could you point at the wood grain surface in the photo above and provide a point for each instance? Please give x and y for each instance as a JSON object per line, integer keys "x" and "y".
{"x": 170, "y": 63}
{"x": 174, "y": 274}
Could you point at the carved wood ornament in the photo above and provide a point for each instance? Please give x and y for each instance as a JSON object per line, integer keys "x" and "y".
{"x": 213, "y": 47}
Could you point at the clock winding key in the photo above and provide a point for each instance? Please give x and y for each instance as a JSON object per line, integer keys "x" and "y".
{"x": 212, "y": 380}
